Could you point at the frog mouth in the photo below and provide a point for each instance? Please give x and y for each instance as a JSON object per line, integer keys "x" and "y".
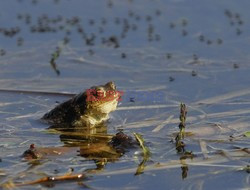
{"x": 108, "y": 96}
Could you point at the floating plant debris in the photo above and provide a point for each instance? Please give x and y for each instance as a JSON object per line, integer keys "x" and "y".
{"x": 171, "y": 79}
{"x": 2, "y": 52}
{"x": 169, "y": 55}
{"x": 194, "y": 73}
{"x": 247, "y": 134}
{"x": 146, "y": 154}
{"x": 236, "y": 66}
{"x": 53, "y": 59}
{"x": 123, "y": 55}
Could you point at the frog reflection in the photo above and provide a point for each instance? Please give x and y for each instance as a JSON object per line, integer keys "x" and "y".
{"x": 100, "y": 146}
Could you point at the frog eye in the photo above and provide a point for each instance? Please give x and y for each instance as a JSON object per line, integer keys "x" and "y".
{"x": 100, "y": 92}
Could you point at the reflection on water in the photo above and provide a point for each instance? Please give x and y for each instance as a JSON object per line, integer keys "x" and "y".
{"x": 94, "y": 144}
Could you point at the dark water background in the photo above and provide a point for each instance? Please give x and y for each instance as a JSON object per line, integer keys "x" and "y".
{"x": 195, "y": 52}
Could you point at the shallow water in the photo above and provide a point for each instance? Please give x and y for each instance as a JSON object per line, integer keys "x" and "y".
{"x": 166, "y": 63}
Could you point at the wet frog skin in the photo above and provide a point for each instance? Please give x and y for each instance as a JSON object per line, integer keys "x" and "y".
{"x": 87, "y": 109}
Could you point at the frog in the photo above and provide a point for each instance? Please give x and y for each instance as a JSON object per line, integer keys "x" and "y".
{"x": 87, "y": 109}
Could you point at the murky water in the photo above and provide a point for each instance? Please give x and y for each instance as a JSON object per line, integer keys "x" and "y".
{"x": 169, "y": 52}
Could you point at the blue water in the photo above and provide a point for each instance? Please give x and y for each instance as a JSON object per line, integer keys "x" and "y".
{"x": 165, "y": 54}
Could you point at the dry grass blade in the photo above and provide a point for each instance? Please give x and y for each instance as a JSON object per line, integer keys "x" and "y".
{"x": 229, "y": 113}
{"x": 147, "y": 88}
{"x": 204, "y": 150}
{"x": 3, "y": 104}
{"x": 2, "y": 173}
{"x": 23, "y": 116}
{"x": 141, "y": 167}
{"x": 53, "y": 179}
{"x": 141, "y": 142}
{"x": 17, "y": 91}
{"x": 145, "y": 107}
{"x": 223, "y": 97}
{"x": 100, "y": 64}
{"x": 79, "y": 134}
{"x": 213, "y": 161}
{"x": 190, "y": 119}
{"x": 164, "y": 123}
{"x": 146, "y": 154}
{"x": 145, "y": 123}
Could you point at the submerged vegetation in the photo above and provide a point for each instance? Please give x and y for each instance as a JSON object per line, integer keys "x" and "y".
{"x": 180, "y": 136}
{"x": 179, "y": 143}
{"x": 53, "y": 59}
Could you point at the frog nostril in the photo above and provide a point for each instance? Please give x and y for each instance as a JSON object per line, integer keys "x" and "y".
{"x": 111, "y": 85}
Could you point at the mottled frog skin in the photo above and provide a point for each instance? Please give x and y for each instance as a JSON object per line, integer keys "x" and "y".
{"x": 87, "y": 109}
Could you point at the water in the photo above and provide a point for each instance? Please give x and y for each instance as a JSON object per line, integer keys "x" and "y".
{"x": 192, "y": 52}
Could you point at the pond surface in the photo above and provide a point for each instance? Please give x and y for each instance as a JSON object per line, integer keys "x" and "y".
{"x": 159, "y": 53}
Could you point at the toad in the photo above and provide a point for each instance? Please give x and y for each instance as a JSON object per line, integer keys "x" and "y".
{"x": 87, "y": 109}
